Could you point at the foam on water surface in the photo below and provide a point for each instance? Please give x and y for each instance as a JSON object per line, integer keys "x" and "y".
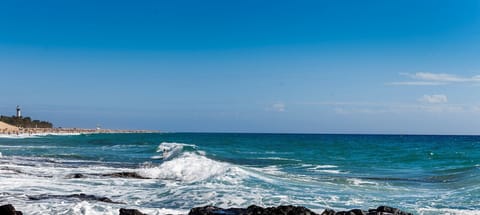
{"x": 187, "y": 168}
{"x": 237, "y": 171}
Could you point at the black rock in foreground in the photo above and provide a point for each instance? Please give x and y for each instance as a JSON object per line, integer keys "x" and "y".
{"x": 80, "y": 196}
{"x": 114, "y": 175}
{"x": 291, "y": 210}
{"x": 9, "y": 210}
{"x": 124, "y": 175}
{"x": 252, "y": 210}
{"x": 124, "y": 211}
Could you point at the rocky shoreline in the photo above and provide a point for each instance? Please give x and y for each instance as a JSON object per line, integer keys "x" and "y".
{"x": 251, "y": 210}
{"x": 9, "y": 209}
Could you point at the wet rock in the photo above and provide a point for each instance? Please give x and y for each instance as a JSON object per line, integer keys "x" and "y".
{"x": 386, "y": 210}
{"x": 115, "y": 175}
{"x": 288, "y": 210}
{"x": 124, "y": 175}
{"x": 328, "y": 212}
{"x": 12, "y": 170}
{"x": 351, "y": 212}
{"x": 124, "y": 211}
{"x": 252, "y": 210}
{"x": 75, "y": 175}
{"x": 9, "y": 210}
{"x": 83, "y": 196}
{"x": 291, "y": 210}
{"x": 204, "y": 210}
{"x": 80, "y": 196}
{"x": 357, "y": 212}
{"x": 343, "y": 213}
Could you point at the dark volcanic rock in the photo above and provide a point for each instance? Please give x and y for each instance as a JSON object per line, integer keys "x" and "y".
{"x": 12, "y": 170}
{"x": 83, "y": 196}
{"x": 385, "y": 210}
{"x": 204, "y": 210}
{"x": 124, "y": 211}
{"x": 357, "y": 212}
{"x": 115, "y": 175}
{"x": 124, "y": 175}
{"x": 290, "y": 210}
{"x": 382, "y": 210}
{"x": 350, "y": 212}
{"x": 75, "y": 175}
{"x": 328, "y": 212}
{"x": 80, "y": 196}
{"x": 9, "y": 210}
{"x": 252, "y": 210}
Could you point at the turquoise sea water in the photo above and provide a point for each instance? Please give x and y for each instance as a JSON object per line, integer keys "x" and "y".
{"x": 419, "y": 174}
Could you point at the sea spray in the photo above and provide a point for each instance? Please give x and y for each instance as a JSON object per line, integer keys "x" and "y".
{"x": 237, "y": 170}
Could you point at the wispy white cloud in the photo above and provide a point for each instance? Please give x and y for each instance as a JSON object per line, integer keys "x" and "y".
{"x": 441, "y": 77}
{"x": 426, "y": 104}
{"x": 277, "y": 107}
{"x": 417, "y": 83}
{"x": 476, "y": 109}
{"x": 432, "y": 79}
{"x": 434, "y": 99}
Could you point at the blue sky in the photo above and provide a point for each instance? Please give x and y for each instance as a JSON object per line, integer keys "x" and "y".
{"x": 245, "y": 66}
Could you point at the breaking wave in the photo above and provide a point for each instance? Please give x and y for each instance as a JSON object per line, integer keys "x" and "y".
{"x": 171, "y": 150}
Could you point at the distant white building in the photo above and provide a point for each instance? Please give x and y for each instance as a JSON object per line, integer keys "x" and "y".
{"x": 19, "y": 112}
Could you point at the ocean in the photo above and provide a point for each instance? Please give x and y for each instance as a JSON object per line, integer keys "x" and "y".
{"x": 418, "y": 174}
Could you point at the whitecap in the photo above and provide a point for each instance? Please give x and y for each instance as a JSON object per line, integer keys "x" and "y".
{"x": 449, "y": 211}
{"x": 170, "y": 150}
{"x": 279, "y": 158}
{"x": 360, "y": 182}
{"x": 189, "y": 167}
{"x": 271, "y": 170}
{"x": 331, "y": 171}
{"x": 15, "y": 136}
{"x": 323, "y": 167}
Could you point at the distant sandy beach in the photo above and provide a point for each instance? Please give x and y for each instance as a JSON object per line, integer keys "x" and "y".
{"x": 9, "y": 131}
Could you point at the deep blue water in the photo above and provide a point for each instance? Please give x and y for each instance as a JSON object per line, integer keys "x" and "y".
{"x": 419, "y": 174}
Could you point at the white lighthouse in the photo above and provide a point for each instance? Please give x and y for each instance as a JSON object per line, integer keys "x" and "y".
{"x": 19, "y": 112}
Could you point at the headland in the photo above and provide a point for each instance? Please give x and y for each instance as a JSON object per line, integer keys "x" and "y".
{"x": 19, "y": 126}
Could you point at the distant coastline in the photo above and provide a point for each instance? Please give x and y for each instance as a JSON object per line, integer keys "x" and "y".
{"x": 31, "y": 132}
{"x": 18, "y": 126}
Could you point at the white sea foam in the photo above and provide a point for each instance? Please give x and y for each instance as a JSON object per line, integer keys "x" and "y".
{"x": 360, "y": 182}
{"x": 278, "y": 158}
{"x": 57, "y": 134}
{"x": 88, "y": 208}
{"x": 15, "y": 136}
{"x": 271, "y": 170}
{"x": 447, "y": 211}
{"x": 170, "y": 150}
{"x": 330, "y": 171}
{"x": 189, "y": 167}
{"x": 188, "y": 179}
{"x": 157, "y": 157}
{"x": 36, "y": 135}
{"x": 324, "y": 167}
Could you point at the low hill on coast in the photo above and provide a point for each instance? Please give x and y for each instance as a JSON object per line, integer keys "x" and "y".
{"x": 7, "y": 128}
{"x": 25, "y": 122}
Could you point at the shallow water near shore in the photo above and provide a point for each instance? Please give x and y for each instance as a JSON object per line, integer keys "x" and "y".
{"x": 419, "y": 174}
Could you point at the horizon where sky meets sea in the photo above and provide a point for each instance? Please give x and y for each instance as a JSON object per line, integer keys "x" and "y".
{"x": 398, "y": 67}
